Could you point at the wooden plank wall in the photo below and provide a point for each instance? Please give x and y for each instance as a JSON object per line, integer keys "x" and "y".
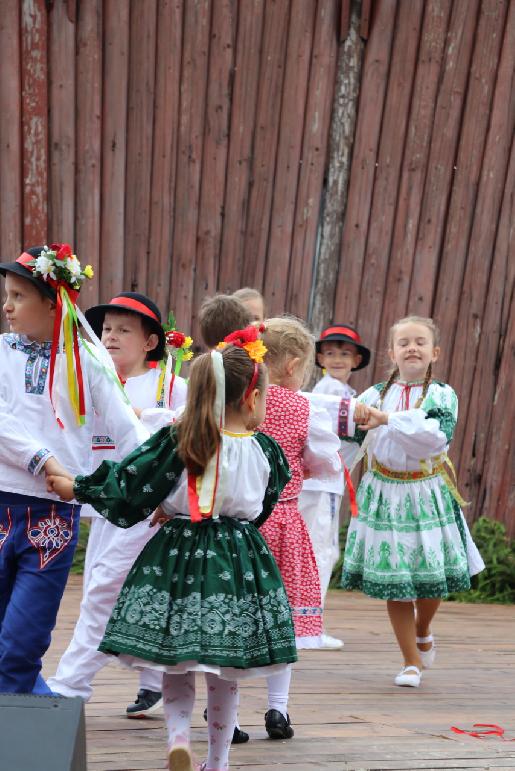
{"x": 429, "y": 226}
{"x": 181, "y": 146}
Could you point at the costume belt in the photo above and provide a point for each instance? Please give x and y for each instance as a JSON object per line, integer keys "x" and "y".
{"x": 438, "y": 467}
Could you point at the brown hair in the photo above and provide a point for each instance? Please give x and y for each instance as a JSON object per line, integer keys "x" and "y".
{"x": 287, "y": 337}
{"x": 197, "y": 429}
{"x": 219, "y": 316}
{"x": 394, "y": 374}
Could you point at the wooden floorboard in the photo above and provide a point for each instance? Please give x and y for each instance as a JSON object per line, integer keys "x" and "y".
{"x": 346, "y": 712}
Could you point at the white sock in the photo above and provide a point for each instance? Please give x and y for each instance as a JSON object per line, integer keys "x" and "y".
{"x": 222, "y": 711}
{"x": 279, "y": 690}
{"x": 178, "y": 701}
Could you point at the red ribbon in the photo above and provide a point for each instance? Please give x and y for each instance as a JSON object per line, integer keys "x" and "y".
{"x": 352, "y": 491}
{"x": 497, "y": 730}
{"x": 252, "y": 383}
{"x": 341, "y": 331}
{"x": 135, "y": 305}
{"x": 195, "y": 514}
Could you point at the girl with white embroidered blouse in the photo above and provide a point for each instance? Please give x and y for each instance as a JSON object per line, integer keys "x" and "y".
{"x": 410, "y": 543}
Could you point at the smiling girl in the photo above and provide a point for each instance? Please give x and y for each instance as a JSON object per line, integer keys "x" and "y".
{"x": 410, "y": 544}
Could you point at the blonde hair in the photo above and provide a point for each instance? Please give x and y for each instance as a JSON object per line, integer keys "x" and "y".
{"x": 429, "y": 323}
{"x": 394, "y": 373}
{"x": 287, "y": 337}
{"x": 248, "y": 293}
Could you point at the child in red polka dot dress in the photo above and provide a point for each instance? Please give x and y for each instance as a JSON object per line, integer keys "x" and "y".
{"x": 305, "y": 434}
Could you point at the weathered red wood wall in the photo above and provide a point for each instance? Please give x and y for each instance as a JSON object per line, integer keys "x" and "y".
{"x": 181, "y": 146}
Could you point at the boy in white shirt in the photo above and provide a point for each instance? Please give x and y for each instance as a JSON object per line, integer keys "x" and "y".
{"x": 130, "y": 328}
{"x": 44, "y": 419}
{"x": 339, "y": 351}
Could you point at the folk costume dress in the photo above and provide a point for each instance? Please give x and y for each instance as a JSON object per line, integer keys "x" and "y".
{"x": 38, "y": 532}
{"x": 203, "y": 595}
{"x": 305, "y": 434}
{"x": 320, "y": 498}
{"x": 110, "y": 554}
{"x": 410, "y": 539}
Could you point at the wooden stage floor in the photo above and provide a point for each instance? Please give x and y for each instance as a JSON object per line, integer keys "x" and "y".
{"x": 346, "y": 712}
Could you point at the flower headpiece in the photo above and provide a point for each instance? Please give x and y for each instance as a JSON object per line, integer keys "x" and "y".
{"x": 178, "y": 346}
{"x": 248, "y": 339}
{"x": 58, "y": 266}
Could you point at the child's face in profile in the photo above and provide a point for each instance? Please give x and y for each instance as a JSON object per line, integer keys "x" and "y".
{"x": 27, "y": 311}
{"x": 125, "y": 339}
{"x": 339, "y": 359}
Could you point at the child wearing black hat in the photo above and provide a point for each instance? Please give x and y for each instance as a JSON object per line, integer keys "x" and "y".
{"x": 51, "y": 384}
{"x": 339, "y": 351}
{"x": 131, "y": 330}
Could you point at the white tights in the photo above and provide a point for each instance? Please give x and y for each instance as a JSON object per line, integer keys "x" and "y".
{"x": 222, "y": 707}
{"x": 278, "y": 691}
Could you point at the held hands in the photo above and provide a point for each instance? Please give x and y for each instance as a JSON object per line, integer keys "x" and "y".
{"x": 159, "y": 517}
{"x": 52, "y": 467}
{"x": 63, "y": 486}
{"x": 370, "y": 417}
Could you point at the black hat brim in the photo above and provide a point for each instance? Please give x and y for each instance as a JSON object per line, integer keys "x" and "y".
{"x": 339, "y": 338}
{"x": 19, "y": 270}
{"x": 96, "y": 315}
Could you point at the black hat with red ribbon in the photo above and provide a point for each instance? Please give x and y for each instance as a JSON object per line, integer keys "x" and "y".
{"x": 131, "y": 302}
{"x": 343, "y": 333}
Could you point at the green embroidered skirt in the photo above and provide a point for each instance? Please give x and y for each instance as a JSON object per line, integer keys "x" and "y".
{"x": 204, "y": 596}
{"x": 409, "y": 541}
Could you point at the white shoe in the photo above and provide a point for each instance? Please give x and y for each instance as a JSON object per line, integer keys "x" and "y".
{"x": 409, "y": 676}
{"x": 427, "y": 657}
{"x": 330, "y": 643}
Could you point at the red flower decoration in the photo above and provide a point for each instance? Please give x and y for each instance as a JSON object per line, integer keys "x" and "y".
{"x": 63, "y": 250}
{"x": 242, "y": 336}
{"x": 175, "y": 339}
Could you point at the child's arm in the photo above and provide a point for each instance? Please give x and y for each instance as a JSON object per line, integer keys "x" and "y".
{"x": 20, "y": 448}
{"x": 127, "y": 492}
{"x": 426, "y": 431}
{"x": 117, "y": 414}
{"x": 321, "y": 458}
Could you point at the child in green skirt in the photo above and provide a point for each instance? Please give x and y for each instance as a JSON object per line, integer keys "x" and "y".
{"x": 205, "y": 594}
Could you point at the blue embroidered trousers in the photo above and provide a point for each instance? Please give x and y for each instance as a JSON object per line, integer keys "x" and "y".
{"x": 37, "y": 541}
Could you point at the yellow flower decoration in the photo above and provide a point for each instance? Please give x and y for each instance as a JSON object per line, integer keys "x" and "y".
{"x": 188, "y": 342}
{"x": 187, "y": 355}
{"x": 88, "y": 271}
{"x": 256, "y": 350}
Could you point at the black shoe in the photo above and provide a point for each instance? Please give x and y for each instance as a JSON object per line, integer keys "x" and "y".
{"x": 145, "y": 704}
{"x": 238, "y": 737}
{"x": 277, "y": 726}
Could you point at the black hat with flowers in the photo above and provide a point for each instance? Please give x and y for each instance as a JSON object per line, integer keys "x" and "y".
{"x": 139, "y": 304}
{"x": 22, "y": 268}
{"x": 343, "y": 333}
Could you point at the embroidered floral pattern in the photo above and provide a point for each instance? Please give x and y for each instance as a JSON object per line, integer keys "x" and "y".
{"x": 37, "y": 459}
{"x": 49, "y": 535}
{"x": 36, "y": 366}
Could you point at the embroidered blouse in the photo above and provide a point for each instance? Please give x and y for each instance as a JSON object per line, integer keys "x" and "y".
{"x": 29, "y": 433}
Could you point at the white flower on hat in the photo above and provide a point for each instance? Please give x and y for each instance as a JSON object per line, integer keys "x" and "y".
{"x": 44, "y": 267}
{"x": 73, "y": 265}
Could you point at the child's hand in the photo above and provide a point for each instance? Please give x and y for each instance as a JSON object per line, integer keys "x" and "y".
{"x": 54, "y": 468}
{"x": 159, "y": 517}
{"x": 60, "y": 485}
{"x": 374, "y": 419}
{"x": 361, "y": 412}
